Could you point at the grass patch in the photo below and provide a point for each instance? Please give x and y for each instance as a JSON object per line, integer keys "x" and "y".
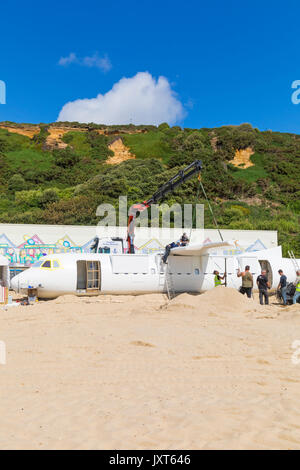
{"x": 253, "y": 173}
{"x": 29, "y": 159}
{"x": 149, "y": 145}
{"x": 78, "y": 141}
{"x": 14, "y": 141}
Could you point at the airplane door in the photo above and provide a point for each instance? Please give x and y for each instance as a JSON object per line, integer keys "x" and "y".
{"x": 266, "y": 265}
{"x": 88, "y": 275}
{"x": 93, "y": 275}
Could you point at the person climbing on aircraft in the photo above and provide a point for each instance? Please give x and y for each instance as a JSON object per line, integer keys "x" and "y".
{"x": 218, "y": 278}
{"x": 297, "y": 285}
{"x": 247, "y": 281}
{"x": 94, "y": 246}
{"x": 168, "y": 250}
{"x": 184, "y": 240}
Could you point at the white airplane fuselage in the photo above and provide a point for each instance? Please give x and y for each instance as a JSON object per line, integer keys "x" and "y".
{"x": 190, "y": 271}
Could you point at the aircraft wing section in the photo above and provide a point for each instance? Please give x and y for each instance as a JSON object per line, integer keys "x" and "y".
{"x": 200, "y": 249}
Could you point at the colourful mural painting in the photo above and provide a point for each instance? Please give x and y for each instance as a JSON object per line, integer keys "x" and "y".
{"x": 33, "y": 248}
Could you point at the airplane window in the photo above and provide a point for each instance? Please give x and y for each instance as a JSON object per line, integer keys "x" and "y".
{"x": 37, "y": 264}
{"x": 46, "y": 264}
{"x": 55, "y": 264}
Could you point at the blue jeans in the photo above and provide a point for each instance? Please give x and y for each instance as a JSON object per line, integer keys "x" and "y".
{"x": 283, "y": 293}
{"x": 296, "y": 296}
{"x": 263, "y": 294}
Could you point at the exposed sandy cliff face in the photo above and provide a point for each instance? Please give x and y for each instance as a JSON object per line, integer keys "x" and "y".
{"x": 56, "y": 134}
{"x": 29, "y": 131}
{"x": 242, "y": 158}
{"x": 121, "y": 152}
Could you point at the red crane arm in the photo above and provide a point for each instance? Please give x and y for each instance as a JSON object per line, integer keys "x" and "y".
{"x": 181, "y": 177}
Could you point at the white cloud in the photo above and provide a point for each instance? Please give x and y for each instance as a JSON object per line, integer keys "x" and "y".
{"x": 102, "y": 63}
{"x": 138, "y": 100}
{"x": 70, "y": 59}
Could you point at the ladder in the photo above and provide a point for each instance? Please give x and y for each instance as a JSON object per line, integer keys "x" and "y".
{"x": 294, "y": 261}
{"x": 170, "y": 284}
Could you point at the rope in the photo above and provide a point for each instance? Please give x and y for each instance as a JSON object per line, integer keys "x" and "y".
{"x": 211, "y": 211}
{"x": 194, "y": 212}
{"x": 200, "y": 185}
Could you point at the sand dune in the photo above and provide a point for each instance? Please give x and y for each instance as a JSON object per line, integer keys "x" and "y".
{"x": 119, "y": 372}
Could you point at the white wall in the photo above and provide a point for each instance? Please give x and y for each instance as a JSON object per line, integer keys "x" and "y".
{"x": 51, "y": 234}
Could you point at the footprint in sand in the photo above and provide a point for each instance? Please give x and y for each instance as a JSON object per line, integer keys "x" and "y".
{"x": 206, "y": 357}
{"x": 142, "y": 343}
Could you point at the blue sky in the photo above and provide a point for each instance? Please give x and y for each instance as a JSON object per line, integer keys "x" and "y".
{"x": 227, "y": 63}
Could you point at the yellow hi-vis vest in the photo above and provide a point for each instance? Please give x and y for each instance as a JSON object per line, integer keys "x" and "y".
{"x": 217, "y": 281}
{"x": 298, "y": 287}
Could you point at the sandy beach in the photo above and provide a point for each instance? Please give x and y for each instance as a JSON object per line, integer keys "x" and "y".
{"x": 213, "y": 371}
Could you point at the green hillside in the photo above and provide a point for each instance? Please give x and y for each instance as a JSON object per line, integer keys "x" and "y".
{"x": 43, "y": 183}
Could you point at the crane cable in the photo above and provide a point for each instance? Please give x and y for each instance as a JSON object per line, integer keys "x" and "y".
{"x": 200, "y": 185}
{"x": 213, "y": 217}
{"x": 194, "y": 212}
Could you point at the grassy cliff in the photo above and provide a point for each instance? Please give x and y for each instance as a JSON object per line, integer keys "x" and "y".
{"x": 59, "y": 173}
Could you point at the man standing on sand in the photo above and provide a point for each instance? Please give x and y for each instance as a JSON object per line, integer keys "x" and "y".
{"x": 263, "y": 286}
{"x": 282, "y": 286}
{"x": 247, "y": 281}
{"x": 297, "y": 284}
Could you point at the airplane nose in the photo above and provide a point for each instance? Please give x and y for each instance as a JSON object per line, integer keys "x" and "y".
{"x": 14, "y": 283}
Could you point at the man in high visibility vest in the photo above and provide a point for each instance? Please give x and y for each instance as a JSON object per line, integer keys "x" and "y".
{"x": 218, "y": 279}
{"x": 297, "y": 284}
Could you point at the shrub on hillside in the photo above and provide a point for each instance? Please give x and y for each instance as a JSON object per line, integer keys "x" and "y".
{"x": 99, "y": 145}
{"x": 41, "y": 137}
{"x": 29, "y": 198}
{"x": 16, "y": 183}
{"x": 78, "y": 210}
{"x": 48, "y": 196}
{"x": 65, "y": 158}
{"x": 164, "y": 126}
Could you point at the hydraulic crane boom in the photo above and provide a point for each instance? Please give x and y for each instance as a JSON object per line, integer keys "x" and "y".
{"x": 181, "y": 177}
